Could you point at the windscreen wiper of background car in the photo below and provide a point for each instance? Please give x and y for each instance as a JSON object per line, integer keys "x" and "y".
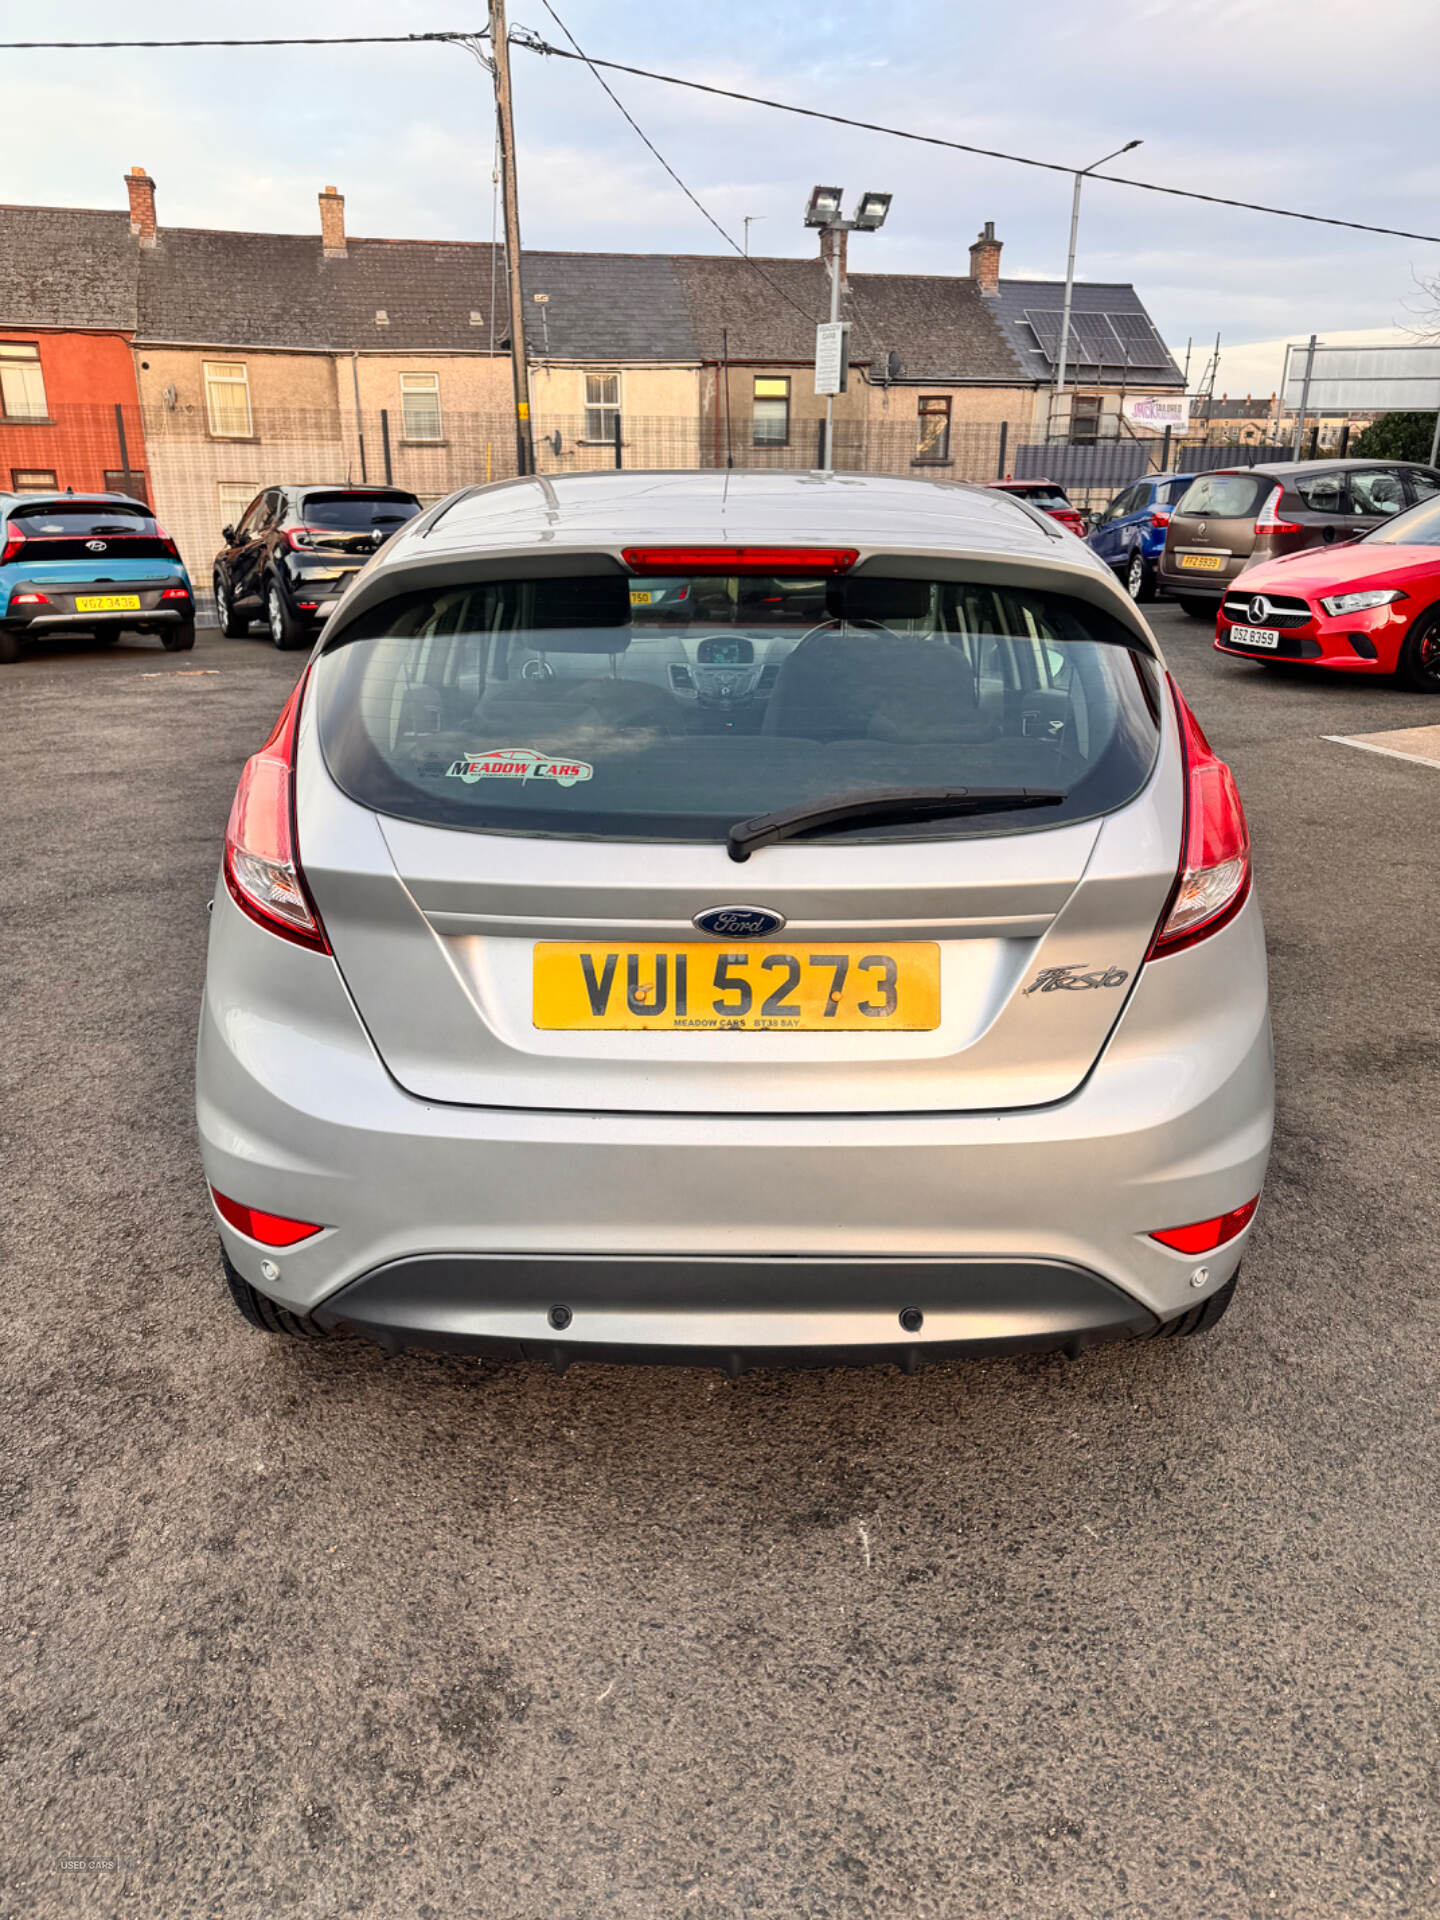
{"x": 884, "y": 803}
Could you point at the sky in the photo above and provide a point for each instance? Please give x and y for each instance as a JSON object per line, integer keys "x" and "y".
{"x": 1301, "y": 106}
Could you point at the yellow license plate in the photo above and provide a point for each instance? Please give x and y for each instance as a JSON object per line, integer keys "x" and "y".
{"x": 107, "y": 603}
{"x": 1202, "y": 562}
{"x": 831, "y": 987}
{"x": 640, "y": 599}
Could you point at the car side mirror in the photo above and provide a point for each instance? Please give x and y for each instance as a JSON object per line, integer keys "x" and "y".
{"x": 227, "y": 534}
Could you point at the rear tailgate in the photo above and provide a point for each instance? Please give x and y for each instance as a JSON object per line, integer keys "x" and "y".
{"x": 1039, "y": 937}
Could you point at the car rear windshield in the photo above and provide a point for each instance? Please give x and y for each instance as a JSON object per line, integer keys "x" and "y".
{"x": 80, "y": 519}
{"x": 566, "y": 706}
{"x": 357, "y": 512}
{"x": 1419, "y": 527}
{"x": 1045, "y": 496}
{"x": 1225, "y": 496}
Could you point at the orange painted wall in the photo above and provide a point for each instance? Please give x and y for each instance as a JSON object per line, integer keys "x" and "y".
{"x": 86, "y": 376}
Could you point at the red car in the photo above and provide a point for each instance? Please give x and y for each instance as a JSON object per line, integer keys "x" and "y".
{"x": 1360, "y": 606}
{"x": 1048, "y": 497}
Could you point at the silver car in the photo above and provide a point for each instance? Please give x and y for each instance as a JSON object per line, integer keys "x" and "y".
{"x": 868, "y": 968}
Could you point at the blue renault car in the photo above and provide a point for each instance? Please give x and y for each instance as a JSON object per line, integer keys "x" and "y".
{"x": 1130, "y": 534}
{"x": 94, "y": 563}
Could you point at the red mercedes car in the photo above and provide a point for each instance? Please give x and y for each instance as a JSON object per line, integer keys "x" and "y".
{"x": 1047, "y": 496}
{"x": 1360, "y": 606}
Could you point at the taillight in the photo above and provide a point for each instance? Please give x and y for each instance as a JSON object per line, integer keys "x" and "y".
{"x": 270, "y": 1229}
{"x": 262, "y": 861}
{"x": 1269, "y": 520}
{"x": 1203, "y": 1236}
{"x": 14, "y": 540}
{"x": 167, "y": 542}
{"x": 299, "y": 537}
{"x": 727, "y": 560}
{"x": 29, "y": 600}
{"x": 1160, "y": 517}
{"x": 1214, "y": 876}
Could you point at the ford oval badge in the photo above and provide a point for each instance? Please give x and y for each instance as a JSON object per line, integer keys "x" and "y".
{"x": 739, "y": 923}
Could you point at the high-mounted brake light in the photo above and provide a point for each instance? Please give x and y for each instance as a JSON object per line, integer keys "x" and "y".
{"x": 1269, "y": 520}
{"x": 270, "y": 1229}
{"x": 262, "y": 860}
{"x": 725, "y": 560}
{"x": 1214, "y": 876}
{"x": 1203, "y": 1236}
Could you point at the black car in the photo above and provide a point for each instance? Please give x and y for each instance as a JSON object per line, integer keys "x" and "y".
{"x": 296, "y": 550}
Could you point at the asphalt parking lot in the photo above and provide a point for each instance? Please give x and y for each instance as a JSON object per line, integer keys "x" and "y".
{"x": 308, "y": 1631}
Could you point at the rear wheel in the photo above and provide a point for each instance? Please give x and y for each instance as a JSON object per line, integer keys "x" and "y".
{"x": 1140, "y": 577}
{"x": 1419, "y": 667}
{"x": 1197, "y": 609}
{"x": 9, "y": 647}
{"x": 285, "y": 630}
{"x": 264, "y": 1314}
{"x": 1200, "y": 1319}
{"x": 179, "y": 639}
{"x": 233, "y": 625}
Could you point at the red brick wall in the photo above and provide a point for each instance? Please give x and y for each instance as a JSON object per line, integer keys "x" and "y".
{"x": 86, "y": 376}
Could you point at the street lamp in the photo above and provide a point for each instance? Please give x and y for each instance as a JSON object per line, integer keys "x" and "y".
{"x": 1070, "y": 265}
{"x": 822, "y": 210}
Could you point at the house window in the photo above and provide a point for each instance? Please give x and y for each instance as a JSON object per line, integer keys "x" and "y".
{"x": 602, "y": 405}
{"x": 1084, "y": 419}
{"x": 933, "y": 448}
{"x": 770, "y": 412}
{"x": 235, "y": 497}
{"x": 420, "y": 400}
{"x": 129, "y": 481}
{"x": 33, "y": 480}
{"x": 227, "y": 399}
{"x": 22, "y": 385}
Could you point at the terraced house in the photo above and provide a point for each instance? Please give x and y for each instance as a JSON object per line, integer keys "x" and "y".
{"x": 254, "y": 358}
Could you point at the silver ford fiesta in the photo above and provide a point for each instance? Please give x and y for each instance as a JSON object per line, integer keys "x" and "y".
{"x": 856, "y": 958}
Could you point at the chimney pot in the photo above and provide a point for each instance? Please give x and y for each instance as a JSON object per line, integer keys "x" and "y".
{"x": 332, "y": 224}
{"x": 985, "y": 259}
{"x": 141, "y": 189}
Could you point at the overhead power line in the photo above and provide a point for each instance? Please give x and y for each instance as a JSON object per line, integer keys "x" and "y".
{"x": 534, "y": 44}
{"x": 960, "y": 146}
{"x": 695, "y": 202}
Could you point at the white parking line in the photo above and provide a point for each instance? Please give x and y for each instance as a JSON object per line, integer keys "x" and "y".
{"x": 1431, "y": 759}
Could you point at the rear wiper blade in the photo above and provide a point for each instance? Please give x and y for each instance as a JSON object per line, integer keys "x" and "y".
{"x": 884, "y": 803}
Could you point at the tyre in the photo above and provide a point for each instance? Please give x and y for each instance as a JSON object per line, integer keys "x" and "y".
{"x": 264, "y": 1314}
{"x": 285, "y": 630}
{"x": 1199, "y": 1319}
{"x": 178, "y": 639}
{"x": 1197, "y": 609}
{"x": 233, "y": 625}
{"x": 1139, "y": 577}
{"x": 1419, "y": 667}
{"x": 9, "y": 647}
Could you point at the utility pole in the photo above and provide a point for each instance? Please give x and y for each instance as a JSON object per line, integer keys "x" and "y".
{"x": 1304, "y": 398}
{"x": 510, "y": 195}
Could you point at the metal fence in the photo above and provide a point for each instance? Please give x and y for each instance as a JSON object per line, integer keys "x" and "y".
{"x": 200, "y": 482}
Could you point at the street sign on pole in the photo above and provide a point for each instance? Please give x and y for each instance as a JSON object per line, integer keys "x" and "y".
{"x": 832, "y": 356}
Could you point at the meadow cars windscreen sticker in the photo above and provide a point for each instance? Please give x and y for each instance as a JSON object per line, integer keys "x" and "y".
{"x": 517, "y": 763}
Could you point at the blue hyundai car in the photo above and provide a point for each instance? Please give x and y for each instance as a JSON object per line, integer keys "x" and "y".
{"x": 94, "y": 563}
{"x": 1130, "y": 534}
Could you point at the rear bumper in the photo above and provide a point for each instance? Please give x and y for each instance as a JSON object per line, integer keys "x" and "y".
{"x": 43, "y": 620}
{"x": 773, "y": 1233}
{"x": 737, "y": 1312}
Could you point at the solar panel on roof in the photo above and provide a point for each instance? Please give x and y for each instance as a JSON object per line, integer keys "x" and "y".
{"x": 1099, "y": 339}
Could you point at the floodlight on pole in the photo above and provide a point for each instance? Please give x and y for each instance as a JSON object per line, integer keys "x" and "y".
{"x": 1070, "y": 267}
{"x": 871, "y": 211}
{"x": 823, "y": 207}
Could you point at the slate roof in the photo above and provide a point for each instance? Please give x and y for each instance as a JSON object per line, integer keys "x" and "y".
{"x": 1015, "y": 298}
{"x": 940, "y": 326}
{"x": 66, "y": 267}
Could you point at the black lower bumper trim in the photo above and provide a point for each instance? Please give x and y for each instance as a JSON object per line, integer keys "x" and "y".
{"x": 734, "y": 1313}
